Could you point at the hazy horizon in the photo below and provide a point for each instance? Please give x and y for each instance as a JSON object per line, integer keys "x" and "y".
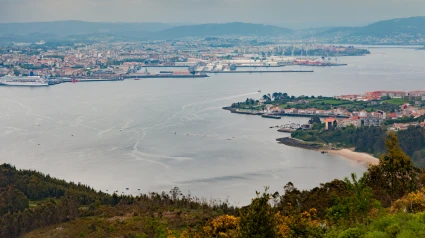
{"x": 198, "y": 23}
{"x": 284, "y": 13}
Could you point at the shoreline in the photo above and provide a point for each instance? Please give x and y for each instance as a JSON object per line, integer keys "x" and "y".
{"x": 359, "y": 157}
{"x": 348, "y": 154}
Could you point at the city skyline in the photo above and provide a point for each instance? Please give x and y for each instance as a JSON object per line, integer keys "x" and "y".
{"x": 293, "y": 14}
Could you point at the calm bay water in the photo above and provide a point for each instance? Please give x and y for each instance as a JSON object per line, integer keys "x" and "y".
{"x": 155, "y": 134}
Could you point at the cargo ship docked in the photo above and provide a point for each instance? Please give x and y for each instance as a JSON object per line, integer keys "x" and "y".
{"x": 29, "y": 81}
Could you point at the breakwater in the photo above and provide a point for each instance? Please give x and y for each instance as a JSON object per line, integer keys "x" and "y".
{"x": 78, "y": 79}
{"x": 256, "y": 71}
{"x": 259, "y": 66}
{"x": 167, "y": 76}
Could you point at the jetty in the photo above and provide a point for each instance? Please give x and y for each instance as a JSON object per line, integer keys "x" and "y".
{"x": 271, "y": 116}
{"x": 166, "y": 76}
{"x": 259, "y": 66}
{"x": 256, "y": 71}
{"x": 322, "y": 65}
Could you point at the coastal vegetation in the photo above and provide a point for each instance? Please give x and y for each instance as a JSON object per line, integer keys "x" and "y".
{"x": 367, "y": 139}
{"x": 388, "y": 200}
{"x": 363, "y": 138}
{"x": 284, "y": 100}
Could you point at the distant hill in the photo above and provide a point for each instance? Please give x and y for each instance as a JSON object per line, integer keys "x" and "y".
{"x": 34, "y": 31}
{"x": 234, "y": 28}
{"x": 60, "y": 29}
{"x": 413, "y": 26}
{"x": 410, "y": 28}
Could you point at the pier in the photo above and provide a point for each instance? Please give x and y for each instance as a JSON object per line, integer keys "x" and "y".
{"x": 167, "y": 76}
{"x": 271, "y": 116}
{"x": 256, "y": 71}
{"x": 259, "y": 66}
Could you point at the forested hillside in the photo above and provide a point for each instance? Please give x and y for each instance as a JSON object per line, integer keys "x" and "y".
{"x": 31, "y": 200}
{"x": 387, "y": 201}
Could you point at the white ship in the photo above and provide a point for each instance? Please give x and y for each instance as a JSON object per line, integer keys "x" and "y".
{"x": 23, "y": 81}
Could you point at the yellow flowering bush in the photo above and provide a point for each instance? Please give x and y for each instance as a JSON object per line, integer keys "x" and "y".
{"x": 224, "y": 226}
{"x": 287, "y": 226}
{"x": 412, "y": 202}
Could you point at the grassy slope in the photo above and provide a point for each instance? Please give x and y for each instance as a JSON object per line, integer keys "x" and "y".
{"x": 396, "y": 101}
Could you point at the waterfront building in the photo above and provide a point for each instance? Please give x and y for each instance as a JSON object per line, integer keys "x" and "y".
{"x": 330, "y": 123}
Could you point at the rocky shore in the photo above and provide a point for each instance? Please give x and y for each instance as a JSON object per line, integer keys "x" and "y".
{"x": 300, "y": 144}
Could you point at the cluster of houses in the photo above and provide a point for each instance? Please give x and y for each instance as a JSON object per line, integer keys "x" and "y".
{"x": 309, "y": 111}
{"x": 359, "y": 119}
{"x": 378, "y": 95}
{"x": 364, "y": 118}
{"x": 404, "y": 126}
{"x": 340, "y": 117}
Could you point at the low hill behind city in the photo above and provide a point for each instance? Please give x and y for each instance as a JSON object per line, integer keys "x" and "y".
{"x": 413, "y": 26}
{"x": 405, "y": 30}
{"x": 226, "y": 29}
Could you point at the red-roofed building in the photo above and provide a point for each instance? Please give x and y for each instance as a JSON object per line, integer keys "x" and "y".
{"x": 383, "y": 93}
{"x": 392, "y": 115}
{"x": 330, "y": 123}
{"x": 373, "y": 95}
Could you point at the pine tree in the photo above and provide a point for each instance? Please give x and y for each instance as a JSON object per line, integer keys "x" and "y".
{"x": 258, "y": 219}
{"x": 395, "y": 175}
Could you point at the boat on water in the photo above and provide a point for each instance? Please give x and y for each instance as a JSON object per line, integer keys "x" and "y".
{"x": 136, "y": 79}
{"x": 30, "y": 81}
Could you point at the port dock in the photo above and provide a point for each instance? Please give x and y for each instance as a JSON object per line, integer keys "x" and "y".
{"x": 167, "y": 76}
{"x": 256, "y": 71}
{"x": 271, "y": 116}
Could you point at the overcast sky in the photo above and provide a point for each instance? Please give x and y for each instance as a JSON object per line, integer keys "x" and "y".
{"x": 290, "y": 13}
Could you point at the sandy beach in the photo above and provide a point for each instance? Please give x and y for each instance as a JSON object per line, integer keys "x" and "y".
{"x": 361, "y": 158}
{"x": 350, "y": 154}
